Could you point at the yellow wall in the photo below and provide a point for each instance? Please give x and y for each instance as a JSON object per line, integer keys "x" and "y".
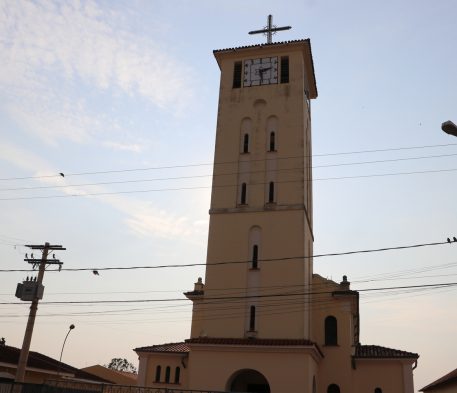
{"x": 285, "y": 226}
{"x": 164, "y": 360}
{"x": 286, "y": 370}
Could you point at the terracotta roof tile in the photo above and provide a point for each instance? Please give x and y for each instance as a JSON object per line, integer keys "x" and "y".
{"x": 376, "y": 351}
{"x": 250, "y": 341}
{"x": 180, "y": 347}
{"x": 260, "y": 45}
{"x": 444, "y": 380}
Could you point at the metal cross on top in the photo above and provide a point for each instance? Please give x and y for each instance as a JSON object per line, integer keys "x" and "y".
{"x": 270, "y": 29}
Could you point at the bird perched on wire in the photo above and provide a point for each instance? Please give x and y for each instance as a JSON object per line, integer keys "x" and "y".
{"x": 96, "y": 273}
{"x": 449, "y": 240}
{"x": 61, "y": 174}
{"x": 455, "y": 239}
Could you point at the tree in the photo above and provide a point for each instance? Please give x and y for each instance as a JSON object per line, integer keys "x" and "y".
{"x": 120, "y": 364}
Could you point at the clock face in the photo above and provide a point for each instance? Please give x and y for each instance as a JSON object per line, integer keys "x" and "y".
{"x": 259, "y": 72}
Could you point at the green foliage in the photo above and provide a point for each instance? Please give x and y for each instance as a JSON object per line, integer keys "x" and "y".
{"x": 120, "y": 364}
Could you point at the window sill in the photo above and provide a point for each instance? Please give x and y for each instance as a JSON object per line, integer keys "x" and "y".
{"x": 255, "y": 269}
{"x": 245, "y": 152}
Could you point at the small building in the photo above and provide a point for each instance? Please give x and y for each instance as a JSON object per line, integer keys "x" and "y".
{"x": 113, "y": 376}
{"x": 40, "y": 368}
{"x": 445, "y": 384}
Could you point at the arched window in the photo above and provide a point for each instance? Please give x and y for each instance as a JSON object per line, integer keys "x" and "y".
{"x": 271, "y": 192}
{"x": 167, "y": 374}
{"x": 378, "y": 390}
{"x": 246, "y": 143}
{"x": 177, "y": 374}
{"x": 243, "y": 194}
{"x": 333, "y": 388}
{"x": 255, "y": 256}
{"x": 252, "y": 319}
{"x": 158, "y": 372}
{"x": 272, "y": 141}
{"x": 331, "y": 331}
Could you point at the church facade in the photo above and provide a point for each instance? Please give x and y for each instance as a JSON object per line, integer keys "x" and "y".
{"x": 262, "y": 320}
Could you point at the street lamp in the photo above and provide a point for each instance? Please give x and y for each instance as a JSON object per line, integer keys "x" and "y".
{"x": 449, "y": 128}
{"x": 63, "y": 346}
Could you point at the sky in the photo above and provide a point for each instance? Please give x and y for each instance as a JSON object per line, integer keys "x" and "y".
{"x": 121, "y": 97}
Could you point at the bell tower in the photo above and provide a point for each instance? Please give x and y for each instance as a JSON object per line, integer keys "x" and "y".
{"x": 261, "y": 225}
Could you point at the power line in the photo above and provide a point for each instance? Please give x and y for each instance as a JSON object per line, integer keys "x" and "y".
{"x": 224, "y": 174}
{"x": 333, "y": 254}
{"x": 219, "y": 163}
{"x": 224, "y": 186}
{"x": 224, "y": 298}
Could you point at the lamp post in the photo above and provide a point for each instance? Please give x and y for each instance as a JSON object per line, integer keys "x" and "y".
{"x": 63, "y": 346}
{"x": 449, "y": 128}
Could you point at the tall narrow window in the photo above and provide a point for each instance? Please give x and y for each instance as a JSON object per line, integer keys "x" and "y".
{"x": 252, "y": 319}
{"x": 272, "y": 141}
{"x": 177, "y": 374}
{"x": 237, "y": 75}
{"x": 158, "y": 372}
{"x": 246, "y": 143}
{"x": 255, "y": 256}
{"x": 167, "y": 374}
{"x": 271, "y": 192}
{"x": 285, "y": 69}
{"x": 243, "y": 194}
{"x": 333, "y": 388}
{"x": 331, "y": 331}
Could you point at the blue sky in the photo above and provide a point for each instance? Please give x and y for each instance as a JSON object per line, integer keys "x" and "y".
{"x": 105, "y": 86}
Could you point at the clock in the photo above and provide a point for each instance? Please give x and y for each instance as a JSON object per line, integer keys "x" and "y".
{"x": 259, "y": 72}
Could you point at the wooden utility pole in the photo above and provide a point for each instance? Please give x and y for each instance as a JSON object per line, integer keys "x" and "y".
{"x": 41, "y": 263}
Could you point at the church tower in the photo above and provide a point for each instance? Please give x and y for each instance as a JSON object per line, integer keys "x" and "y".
{"x": 262, "y": 321}
{"x": 261, "y": 204}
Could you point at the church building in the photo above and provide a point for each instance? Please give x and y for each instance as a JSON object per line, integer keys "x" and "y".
{"x": 262, "y": 320}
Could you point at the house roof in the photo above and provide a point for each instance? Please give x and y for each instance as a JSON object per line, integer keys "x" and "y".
{"x": 183, "y": 347}
{"x": 180, "y": 347}
{"x": 114, "y": 376}
{"x": 10, "y": 355}
{"x": 444, "y": 380}
{"x": 378, "y": 352}
{"x": 250, "y": 341}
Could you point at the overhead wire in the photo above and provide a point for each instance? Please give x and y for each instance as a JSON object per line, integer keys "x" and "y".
{"x": 234, "y": 262}
{"x": 222, "y": 174}
{"x": 107, "y": 193}
{"x": 218, "y": 163}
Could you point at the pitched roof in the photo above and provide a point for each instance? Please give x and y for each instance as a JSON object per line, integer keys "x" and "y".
{"x": 37, "y": 360}
{"x": 250, "y": 341}
{"x": 180, "y": 347}
{"x": 444, "y": 380}
{"x": 114, "y": 376}
{"x": 260, "y": 45}
{"x": 255, "y": 341}
{"x": 378, "y": 352}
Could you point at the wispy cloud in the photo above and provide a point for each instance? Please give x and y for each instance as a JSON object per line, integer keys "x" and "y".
{"x": 133, "y": 147}
{"x": 141, "y": 217}
{"x": 46, "y": 46}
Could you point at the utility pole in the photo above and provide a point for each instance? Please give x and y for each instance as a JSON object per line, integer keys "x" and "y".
{"x": 33, "y": 290}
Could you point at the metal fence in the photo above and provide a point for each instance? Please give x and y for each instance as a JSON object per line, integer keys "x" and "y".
{"x": 83, "y": 387}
